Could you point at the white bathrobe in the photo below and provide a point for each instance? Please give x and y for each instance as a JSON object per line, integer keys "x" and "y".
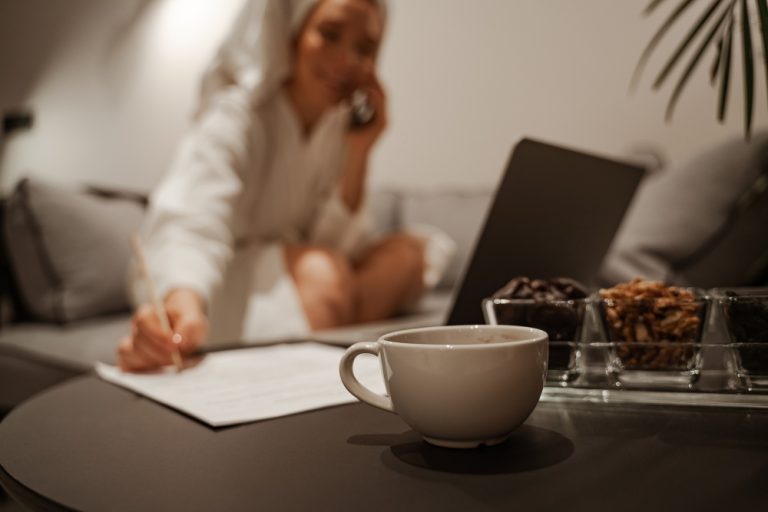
{"x": 247, "y": 181}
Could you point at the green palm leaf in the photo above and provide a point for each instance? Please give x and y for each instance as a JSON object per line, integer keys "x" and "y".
{"x": 716, "y": 63}
{"x": 657, "y": 37}
{"x": 749, "y": 73}
{"x": 762, "y": 7}
{"x": 696, "y": 57}
{"x": 653, "y": 5}
{"x": 715, "y": 71}
{"x": 718, "y": 22}
{"x": 702, "y": 21}
{"x": 726, "y": 68}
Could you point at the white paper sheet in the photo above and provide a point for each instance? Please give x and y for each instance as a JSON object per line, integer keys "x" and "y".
{"x": 252, "y": 384}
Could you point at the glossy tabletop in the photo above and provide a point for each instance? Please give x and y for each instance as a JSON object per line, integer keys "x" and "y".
{"x": 90, "y": 445}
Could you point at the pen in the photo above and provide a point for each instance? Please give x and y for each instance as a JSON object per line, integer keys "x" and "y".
{"x": 159, "y": 308}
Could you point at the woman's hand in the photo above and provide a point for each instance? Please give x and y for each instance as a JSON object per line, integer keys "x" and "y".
{"x": 148, "y": 347}
{"x": 361, "y": 139}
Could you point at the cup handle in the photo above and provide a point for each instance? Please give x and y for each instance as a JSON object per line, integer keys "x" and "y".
{"x": 353, "y": 385}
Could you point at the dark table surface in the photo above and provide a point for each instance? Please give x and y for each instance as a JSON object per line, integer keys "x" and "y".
{"x": 89, "y": 445}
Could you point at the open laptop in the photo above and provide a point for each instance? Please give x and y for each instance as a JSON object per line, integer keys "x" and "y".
{"x": 555, "y": 214}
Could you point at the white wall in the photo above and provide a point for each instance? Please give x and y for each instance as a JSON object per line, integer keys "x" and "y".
{"x": 116, "y": 89}
{"x": 466, "y": 79}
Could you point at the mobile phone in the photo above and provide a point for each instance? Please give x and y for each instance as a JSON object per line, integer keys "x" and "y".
{"x": 362, "y": 110}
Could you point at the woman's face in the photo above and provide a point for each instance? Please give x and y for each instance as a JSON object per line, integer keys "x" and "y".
{"x": 336, "y": 50}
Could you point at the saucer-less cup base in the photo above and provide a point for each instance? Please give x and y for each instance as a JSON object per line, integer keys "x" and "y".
{"x": 448, "y": 443}
{"x": 457, "y": 386}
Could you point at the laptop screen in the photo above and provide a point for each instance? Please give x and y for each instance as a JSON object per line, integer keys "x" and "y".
{"x": 554, "y": 215}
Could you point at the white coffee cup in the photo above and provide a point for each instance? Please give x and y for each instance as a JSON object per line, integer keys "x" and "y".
{"x": 457, "y": 386}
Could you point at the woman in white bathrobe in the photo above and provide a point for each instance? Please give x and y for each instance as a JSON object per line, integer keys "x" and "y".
{"x": 258, "y": 229}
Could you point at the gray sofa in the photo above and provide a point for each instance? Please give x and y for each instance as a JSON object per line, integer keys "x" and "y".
{"x": 64, "y": 299}
{"x": 63, "y": 304}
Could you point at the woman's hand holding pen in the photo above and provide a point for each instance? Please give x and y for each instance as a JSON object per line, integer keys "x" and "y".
{"x": 149, "y": 347}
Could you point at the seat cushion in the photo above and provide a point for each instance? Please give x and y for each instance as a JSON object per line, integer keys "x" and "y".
{"x": 76, "y": 345}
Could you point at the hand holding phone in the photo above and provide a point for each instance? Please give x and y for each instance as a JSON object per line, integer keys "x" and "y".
{"x": 368, "y": 114}
{"x": 362, "y": 110}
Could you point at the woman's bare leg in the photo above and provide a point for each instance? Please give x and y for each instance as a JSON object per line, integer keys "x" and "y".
{"x": 389, "y": 276}
{"x": 325, "y": 284}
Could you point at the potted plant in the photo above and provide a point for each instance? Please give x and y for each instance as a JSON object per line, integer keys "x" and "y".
{"x": 722, "y": 24}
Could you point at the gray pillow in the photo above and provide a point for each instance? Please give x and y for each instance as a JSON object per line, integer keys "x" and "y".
{"x": 383, "y": 209}
{"x": 702, "y": 224}
{"x": 69, "y": 249}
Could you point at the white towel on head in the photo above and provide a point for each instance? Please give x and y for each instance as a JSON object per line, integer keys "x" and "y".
{"x": 255, "y": 55}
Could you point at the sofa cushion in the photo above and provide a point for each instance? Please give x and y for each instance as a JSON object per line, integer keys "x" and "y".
{"x": 69, "y": 249}
{"x": 75, "y": 346}
{"x": 701, "y": 224}
{"x": 383, "y": 208}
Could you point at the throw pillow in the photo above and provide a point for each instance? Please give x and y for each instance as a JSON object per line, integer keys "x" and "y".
{"x": 702, "y": 224}
{"x": 69, "y": 249}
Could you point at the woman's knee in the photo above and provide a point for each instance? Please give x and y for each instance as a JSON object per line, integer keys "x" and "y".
{"x": 408, "y": 251}
{"x": 319, "y": 265}
{"x": 395, "y": 269}
{"x": 325, "y": 283}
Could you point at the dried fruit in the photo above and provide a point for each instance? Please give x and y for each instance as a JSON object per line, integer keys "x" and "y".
{"x": 657, "y": 325}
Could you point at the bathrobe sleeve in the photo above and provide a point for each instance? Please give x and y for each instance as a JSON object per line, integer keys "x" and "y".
{"x": 188, "y": 233}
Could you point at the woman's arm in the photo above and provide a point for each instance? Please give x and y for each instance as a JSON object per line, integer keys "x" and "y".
{"x": 341, "y": 223}
{"x": 188, "y": 234}
{"x": 360, "y": 141}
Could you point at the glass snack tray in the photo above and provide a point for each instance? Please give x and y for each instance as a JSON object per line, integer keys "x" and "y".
{"x": 717, "y": 372}
{"x": 716, "y": 384}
